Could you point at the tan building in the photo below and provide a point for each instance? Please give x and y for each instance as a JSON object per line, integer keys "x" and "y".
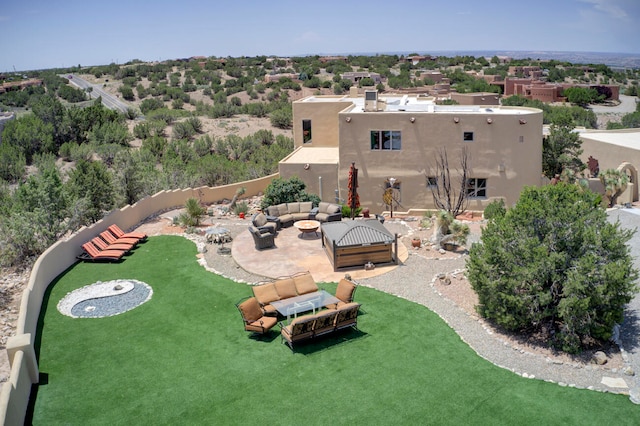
{"x": 613, "y": 149}
{"x": 399, "y": 136}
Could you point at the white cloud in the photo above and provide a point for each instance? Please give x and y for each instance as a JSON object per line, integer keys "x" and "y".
{"x": 613, "y": 8}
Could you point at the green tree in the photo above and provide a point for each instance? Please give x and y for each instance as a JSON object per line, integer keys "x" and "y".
{"x": 92, "y": 182}
{"x": 561, "y": 150}
{"x": 12, "y": 163}
{"x": 554, "y": 266}
{"x": 282, "y": 118}
{"x": 286, "y": 191}
{"x": 30, "y": 135}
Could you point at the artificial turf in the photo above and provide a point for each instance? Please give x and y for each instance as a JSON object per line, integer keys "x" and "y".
{"x": 183, "y": 358}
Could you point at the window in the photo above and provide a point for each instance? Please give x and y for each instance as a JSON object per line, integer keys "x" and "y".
{"x": 386, "y": 140}
{"x": 467, "y": 136}
{"x": 521, "y": 139}
{"x": 476, "y": 188}
{"x": 306, "y": 131}
{"x": 432, "y": 181}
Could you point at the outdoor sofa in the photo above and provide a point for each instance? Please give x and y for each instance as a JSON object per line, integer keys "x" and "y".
{"x": 327, "y": 321}
{"x": 287, "y": 213}
{"x": 283, "y": 288}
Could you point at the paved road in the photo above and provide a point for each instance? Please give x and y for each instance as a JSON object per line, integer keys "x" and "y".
{"x": 627, "y": 105}
{"x": 108, "y": 100}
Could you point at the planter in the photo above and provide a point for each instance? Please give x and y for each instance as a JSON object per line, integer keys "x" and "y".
{"x": 416, "y": 242}
{"x": 365, "y": 213}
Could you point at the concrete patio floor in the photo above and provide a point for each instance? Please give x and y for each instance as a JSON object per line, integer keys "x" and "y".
{"x": 296, "y": 252}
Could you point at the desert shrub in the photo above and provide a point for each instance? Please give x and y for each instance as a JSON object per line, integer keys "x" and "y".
{"x": 553, "y": 266}
{"x": 346, "y": 211}
{"x": 192, "y": 214}
{"x": 281, "y": 118}
{"x": 241, "y": 207}
{"x": 150, "y": 105}
{"x": 286, "y": 191}
{"x": 494, "y": 209}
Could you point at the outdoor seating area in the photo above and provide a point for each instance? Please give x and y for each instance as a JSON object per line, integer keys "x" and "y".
{"x": 111, "y": 245}
{"x": 288, "y": 213}
{"x": 281, "y": 298}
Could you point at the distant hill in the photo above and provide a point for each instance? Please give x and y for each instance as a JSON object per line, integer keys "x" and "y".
{"x": 616, "y": 60}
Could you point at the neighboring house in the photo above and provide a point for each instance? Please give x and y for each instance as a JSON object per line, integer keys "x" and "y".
{"x": 550, "y": 92}
{"x": 268, "y": 78}
{"x": 399, "y": 136}
{"x": 613, "y": 149}
{"x": 356, "y": 76}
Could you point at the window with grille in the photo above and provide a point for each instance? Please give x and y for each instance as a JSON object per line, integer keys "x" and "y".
{"x": 476, "y": 188}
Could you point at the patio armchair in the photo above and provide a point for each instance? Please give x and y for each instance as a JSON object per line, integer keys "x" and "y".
{"x": 262, "y": 240}
{"x": 253, "y": 316}
{"x": 265, "y": 223}
{"x": 345, "y": 292}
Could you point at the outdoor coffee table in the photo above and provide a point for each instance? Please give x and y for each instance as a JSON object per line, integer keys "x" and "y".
{"x": 307, "y": 226}
{"x": 304, "y": 303}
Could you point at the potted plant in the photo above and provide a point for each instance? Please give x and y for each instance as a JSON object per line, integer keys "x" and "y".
{"x": 416, "y": 242}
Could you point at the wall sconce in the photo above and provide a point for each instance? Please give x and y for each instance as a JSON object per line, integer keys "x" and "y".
{"x": 456, "y": 120}
{"x": 348, "y": 119}
{"x": 412, "y": 119}
{"x": 523, "y": 121}
{"x": 501, "y": 168}
{"x": 489, "y": 120}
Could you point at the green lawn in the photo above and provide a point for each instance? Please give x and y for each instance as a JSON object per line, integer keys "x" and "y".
{"x": 183, "y": 358}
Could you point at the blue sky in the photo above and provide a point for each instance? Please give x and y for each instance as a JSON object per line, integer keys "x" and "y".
{"x": 37, "y": 34}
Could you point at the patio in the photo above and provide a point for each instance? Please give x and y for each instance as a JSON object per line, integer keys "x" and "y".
{"x": 295, "y": 253}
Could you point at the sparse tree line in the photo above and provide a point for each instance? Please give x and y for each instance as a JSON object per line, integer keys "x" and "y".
{"x": 103, "y": 171}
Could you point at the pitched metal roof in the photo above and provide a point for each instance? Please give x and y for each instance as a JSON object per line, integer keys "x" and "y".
{"x": 357, "y": 232}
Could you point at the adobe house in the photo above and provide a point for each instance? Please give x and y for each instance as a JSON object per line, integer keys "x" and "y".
{"x": 394, "y": 140}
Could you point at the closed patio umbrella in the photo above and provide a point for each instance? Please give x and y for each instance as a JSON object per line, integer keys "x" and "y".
{"x": 354, "y": 199}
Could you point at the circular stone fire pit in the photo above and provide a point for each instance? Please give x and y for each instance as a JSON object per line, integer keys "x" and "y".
{"x": 105, "y": 299}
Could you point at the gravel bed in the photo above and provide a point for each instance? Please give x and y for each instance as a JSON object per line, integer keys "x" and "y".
{"x": 105, "y": 299}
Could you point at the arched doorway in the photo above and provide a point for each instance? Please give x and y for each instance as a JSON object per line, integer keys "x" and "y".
{"x": 632, "y": 172}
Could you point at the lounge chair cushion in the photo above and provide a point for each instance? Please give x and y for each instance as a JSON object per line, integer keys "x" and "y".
{"x": 265, "y": 293}
{"x": 273, "y": 211}
{"x": 293, "y": 207}
{"x": 260, "y": 220}
{"x": 345, "y": 290}
{"x": 250, "y": 309}
{"x": 282, "y": 209}
{"x": 306, "y": 206}
{"x": 286, "y": 288}
{"x": 299, "y": 329}
{"x": 305, "y": 283}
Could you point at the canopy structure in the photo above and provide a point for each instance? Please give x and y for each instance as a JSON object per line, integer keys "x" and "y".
{"x": 358, "y": 242}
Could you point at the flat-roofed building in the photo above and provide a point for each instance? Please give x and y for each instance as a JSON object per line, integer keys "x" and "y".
{"x": 399, "y": 136}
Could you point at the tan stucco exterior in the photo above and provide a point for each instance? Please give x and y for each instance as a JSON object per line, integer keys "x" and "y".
{"x": 506, "y": 149}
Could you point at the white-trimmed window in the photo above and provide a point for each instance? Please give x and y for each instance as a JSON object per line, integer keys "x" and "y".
{"x": 476, "y": 188}
{"x": 386, "y": 140}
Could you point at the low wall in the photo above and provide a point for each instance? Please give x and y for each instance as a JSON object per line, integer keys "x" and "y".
{"x": 14, "y": 395}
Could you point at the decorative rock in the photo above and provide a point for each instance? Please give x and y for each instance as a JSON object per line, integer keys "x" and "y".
{"x": 599, "y": 358}
{"x": 628, "y": 371}
{"x": 634, "y": 395}
{"x": 117, "y": 287}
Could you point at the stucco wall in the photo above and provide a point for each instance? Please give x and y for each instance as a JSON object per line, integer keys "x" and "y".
{"x": 56, "y": 259}
{"x": 324, "y": 126}
{"x": 505, "y": 152}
